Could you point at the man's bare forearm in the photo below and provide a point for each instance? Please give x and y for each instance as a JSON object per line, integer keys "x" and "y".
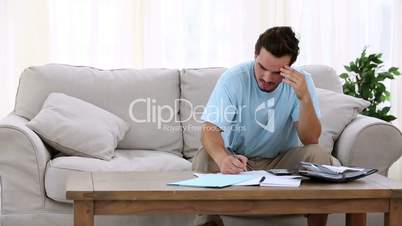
{"x": 212, "y": 141}
{"x": 309, "y": 124}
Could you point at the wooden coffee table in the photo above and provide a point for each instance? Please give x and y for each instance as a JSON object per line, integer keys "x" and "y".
{"x": 104, "y": 193}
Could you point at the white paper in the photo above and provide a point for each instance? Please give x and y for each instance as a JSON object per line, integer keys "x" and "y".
{"x": 341, "y": 169}
{"x": 253, "y": 172}
{"x": 281, "y": 181}
{"x": 254, "y": 181}
{"x": 270, "y": 179}
{"x": 200, "y": 174}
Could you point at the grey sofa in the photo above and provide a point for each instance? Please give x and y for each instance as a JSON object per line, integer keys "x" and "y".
{"x": 33, "y": 174}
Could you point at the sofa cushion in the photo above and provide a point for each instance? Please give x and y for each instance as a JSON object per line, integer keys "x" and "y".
{"x": 324, "y": 77}
{"x": 151, "y": 93}
{"x": 76, "y": 127}
{"x": 337, "y": 111}
{"x": 59, "y": 168}
{"x": 197, "y": 84}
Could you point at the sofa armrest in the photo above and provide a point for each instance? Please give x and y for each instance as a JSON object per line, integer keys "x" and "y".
{"x": 23, "y": 158}
{"x": 369, "y": 142}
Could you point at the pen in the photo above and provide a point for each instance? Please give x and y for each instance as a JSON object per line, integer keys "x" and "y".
{"x": 262, "y": 179}
{"x": 234, "y": 155}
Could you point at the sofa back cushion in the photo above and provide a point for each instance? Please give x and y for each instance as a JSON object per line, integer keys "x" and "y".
{"x": 76, "y": 127}
{"x": 140, "y": 97}
{"x": 324, "y": 77}
{"x": 197, "y": 85}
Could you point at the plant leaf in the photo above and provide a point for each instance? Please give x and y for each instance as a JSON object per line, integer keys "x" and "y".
{"x": 394, "y": 70}
{"x": 389, "y": 118}
{"x": 385, "y": 110}
{"x": 344, "y": 76}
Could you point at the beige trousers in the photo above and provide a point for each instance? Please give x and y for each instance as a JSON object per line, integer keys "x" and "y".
{"x": 289, "y": 159}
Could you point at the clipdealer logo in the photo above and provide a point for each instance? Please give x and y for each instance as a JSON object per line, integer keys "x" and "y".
{"x": 154, "y": 113}
{"x": 266, "y": 106}
{"x": 148, "y": 110}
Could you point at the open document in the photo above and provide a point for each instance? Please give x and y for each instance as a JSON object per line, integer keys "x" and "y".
{"x": 248, "y": 178}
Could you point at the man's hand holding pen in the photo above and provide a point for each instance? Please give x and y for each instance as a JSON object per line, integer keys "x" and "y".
{"x": 234, "y": 164}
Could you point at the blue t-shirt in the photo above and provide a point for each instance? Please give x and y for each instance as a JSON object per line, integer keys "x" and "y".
{"x": 254, "y": 122}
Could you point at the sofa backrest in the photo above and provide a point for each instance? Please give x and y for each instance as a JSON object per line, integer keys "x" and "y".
{"x": 130, "y": 94}
{"x": 197, "y": 84}
{"x": 147, "y": 99}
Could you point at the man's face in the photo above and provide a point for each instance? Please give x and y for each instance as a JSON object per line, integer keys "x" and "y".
{"x": 267, "y": 70}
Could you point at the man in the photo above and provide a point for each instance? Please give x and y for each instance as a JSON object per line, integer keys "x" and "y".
{"x": 260, "y": 110}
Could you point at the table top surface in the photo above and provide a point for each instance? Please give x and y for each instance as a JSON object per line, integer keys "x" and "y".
{"x": 153, "y": 186}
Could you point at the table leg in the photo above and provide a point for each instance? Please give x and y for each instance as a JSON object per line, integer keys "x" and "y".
{"x": 394, "y": 216}
{"x": 83, "y": 213}
{"x": 356, "y": 219}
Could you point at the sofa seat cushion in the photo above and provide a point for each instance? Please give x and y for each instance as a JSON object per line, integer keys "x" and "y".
{"x": 59, "y": 168}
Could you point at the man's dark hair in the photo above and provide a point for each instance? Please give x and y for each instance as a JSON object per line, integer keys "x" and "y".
{"x": 279, "y": 41}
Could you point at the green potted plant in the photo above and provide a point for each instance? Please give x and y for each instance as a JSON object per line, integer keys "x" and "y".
{"x": 364, "y": 79}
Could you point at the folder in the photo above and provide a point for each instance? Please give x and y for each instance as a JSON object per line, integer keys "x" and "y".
{"x": 214, "y": 180}
{"x": 336, "y": 174}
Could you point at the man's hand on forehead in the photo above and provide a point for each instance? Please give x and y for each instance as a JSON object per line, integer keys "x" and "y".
{"x": 296, "y": 80}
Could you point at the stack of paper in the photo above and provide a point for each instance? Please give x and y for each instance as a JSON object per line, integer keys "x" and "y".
{"x": 281, "y": 181}
{"x": 270, "y": 179}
